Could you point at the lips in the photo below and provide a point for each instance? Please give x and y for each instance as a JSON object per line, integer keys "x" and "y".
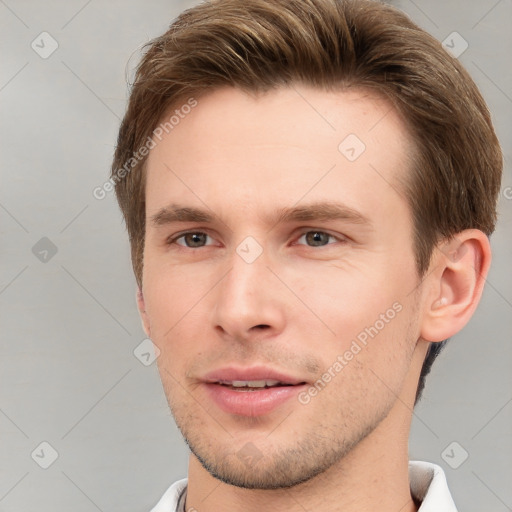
{"x": 252, "y": 391}
{"x": 252, "y": 384}
{"x": 252, "y": 374}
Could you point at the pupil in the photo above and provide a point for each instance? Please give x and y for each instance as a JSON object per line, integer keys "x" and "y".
{"x": 317, "y": 238}
{"x": 196, "y": 239}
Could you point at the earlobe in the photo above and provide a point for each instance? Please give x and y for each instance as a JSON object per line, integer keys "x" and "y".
{"x": 456, "y": 284}
{"x": 141, "y": 305}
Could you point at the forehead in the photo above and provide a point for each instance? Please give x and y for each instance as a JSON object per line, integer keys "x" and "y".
{"x": 279, "y": 147}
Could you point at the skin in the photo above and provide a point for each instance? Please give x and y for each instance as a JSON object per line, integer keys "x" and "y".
{"x": 301, "y": 303}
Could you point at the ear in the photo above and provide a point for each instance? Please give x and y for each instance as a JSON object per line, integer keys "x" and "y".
{"x": 455, "y": 282}
{"x": 142, "y": 312}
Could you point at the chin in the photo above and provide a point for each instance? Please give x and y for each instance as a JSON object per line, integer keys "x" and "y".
{"x": 248, "y": 468}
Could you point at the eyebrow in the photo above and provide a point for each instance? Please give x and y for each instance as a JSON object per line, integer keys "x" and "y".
{"x": 319, "y": 211}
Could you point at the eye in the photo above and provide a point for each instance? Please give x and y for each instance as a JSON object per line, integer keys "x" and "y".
{"x": 316, "y": 238}
{"x": 198, "y": 239}
{"x": 192, "y": 239}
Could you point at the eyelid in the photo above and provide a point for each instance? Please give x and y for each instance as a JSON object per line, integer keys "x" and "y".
{"x": 304, "y": 231}
{"x": 171, "y": 240}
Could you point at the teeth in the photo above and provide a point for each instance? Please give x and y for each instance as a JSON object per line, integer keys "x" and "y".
{"x": 254, "y": 383}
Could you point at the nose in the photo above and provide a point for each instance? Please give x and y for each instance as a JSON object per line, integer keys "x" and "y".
{"x": 249, "y": 302}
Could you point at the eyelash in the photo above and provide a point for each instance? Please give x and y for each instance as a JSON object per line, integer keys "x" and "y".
{"x": 174, "y": 239}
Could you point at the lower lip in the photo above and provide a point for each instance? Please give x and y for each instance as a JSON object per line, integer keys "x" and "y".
{"x": 251, "y": 403}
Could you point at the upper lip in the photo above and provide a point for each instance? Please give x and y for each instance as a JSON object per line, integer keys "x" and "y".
{"x": 253, "y": 373}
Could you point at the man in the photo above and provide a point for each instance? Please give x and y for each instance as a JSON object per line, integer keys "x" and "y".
{"x": 309, "y": 187}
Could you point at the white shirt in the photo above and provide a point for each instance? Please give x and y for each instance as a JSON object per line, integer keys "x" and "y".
{"x": 428, "y": 485}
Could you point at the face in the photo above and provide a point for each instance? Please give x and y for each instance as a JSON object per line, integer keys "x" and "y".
{"x": 278, "y": 278}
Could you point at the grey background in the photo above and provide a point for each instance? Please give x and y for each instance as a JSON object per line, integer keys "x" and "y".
{"x": 69, "y": 324}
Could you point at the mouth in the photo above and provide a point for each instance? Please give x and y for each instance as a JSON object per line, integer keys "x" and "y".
{"x": 253, "y": 385}
{"x": 252, "y": 392}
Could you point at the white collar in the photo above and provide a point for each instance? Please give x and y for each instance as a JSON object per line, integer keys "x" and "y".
{"x": 428, "y": 485}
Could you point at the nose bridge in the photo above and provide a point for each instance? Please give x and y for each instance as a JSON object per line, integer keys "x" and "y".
{"x": 245, "y": 283}
{"x": 245, "y": 297}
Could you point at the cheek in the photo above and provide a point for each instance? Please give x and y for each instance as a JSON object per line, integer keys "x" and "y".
{"x": 169, "y": 293}
{"x": 175, "y": 300}
{"x": 348, "y": 299}
{"x": 368, "y": 357}
{"x": 369, "y": 367}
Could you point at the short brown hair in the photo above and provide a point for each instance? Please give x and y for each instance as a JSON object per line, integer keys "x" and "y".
{"x": 259, "y": 45}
